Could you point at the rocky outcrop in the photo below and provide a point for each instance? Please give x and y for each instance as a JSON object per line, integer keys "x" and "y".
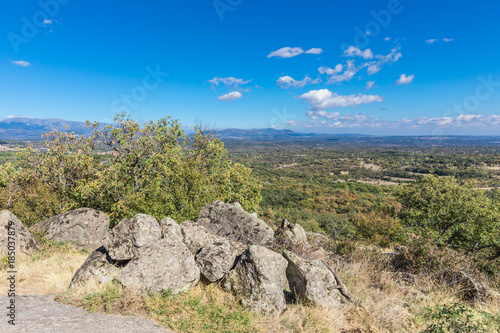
{"x": 166, "y": 264}
{"x": 10, "y": 226}
{"x": 232, "y": 222}
{"x": 85, "y": 228}
{"x": 170, "y": 228}
{"x": 259, "y": 279}
{"x": 311, "y": 280}
{"x": 128, "y": 236}
{"x": 98, "y": 267}
{"x": 292, "y": 233}
{"x": 195, "y": 236}
{"x": 215, "y": 259}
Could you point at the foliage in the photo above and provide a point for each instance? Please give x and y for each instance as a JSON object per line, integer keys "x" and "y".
{"x": 152, "y": 168}
{"x": 454, "y": 318}
{"x": 452, "y": 214}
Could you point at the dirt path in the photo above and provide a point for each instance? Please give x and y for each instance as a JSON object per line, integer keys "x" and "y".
{"x": 41, "y": 314}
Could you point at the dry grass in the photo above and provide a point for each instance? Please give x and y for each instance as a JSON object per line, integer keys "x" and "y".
{"x": 47, "y": 272}
{"x": 389, "y": 303}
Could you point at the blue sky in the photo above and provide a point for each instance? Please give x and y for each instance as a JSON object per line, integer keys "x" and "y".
{"x": 376, "y": 67}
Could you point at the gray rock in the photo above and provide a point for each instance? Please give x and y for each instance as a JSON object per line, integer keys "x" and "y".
{"x": 215, "y": 259}
{"x": 196, "y": 236}
{"x": 167, "y": 264}
{"x": 85, "y": 228}
{"x": 259, "y": 279}
{"x": 98, "y": 266}
{"x": 294, "y": 233}
{"x": 25, "y": 242}
{"x": 234, "y": 223}
{"x": 309, "y": 280}
{"x": 170, "y": 228}
{"x": 131, "y": 234}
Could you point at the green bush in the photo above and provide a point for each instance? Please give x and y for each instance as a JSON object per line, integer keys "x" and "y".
{"x": 454, "y": 318}
{"x": 129, "y": 168}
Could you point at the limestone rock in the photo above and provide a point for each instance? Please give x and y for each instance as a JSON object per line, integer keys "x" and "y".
{"x": 233, "y": 222}
{"x": 166, "y": 264}
{"x": 215, "y": 259}
{"x": 196, "y": 236}
{"x": 131, "y": 234}
{"x": 259, "y": 279}
{"x": 85, "y": 228}
{"x": 310, "y": 279}
{"x": 98, "y": 266}
{"x": 26, "y": 243}
{"x": 294, "y": 233}
{"x": 170, "y": 228}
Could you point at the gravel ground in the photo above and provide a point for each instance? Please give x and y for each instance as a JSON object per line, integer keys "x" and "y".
{"x": 41, "y": 314}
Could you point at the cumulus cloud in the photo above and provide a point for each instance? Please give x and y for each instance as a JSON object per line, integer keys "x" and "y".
{"x": 21, "y": 63}
{"x": 286, "y": 52}
{"x": 331, "y": 71}
{"x": 47, "y": 21}
{"x": 322, "y": 118}
{"x": 434, "y": 40}
{"x": 431, "y": 41}
{"x": 446, "y": 40}
{"x": 323, "y": 99}
{"x": 314, "y": 50}
{"x": 353, "y": 51}
{"x": 233, "y": 95}
{"x": 387, "y": 39}
{"x": 369, "y": 84}
{"x": 349, "y": 71}
{"x": 286, "y": 82}
{"x": 403, "y": 79}
{"x": 231, "y": 82}
{"x": 375, "y": 66}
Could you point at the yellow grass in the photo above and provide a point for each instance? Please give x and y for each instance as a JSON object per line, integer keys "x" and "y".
{"x": 387, "y": 305}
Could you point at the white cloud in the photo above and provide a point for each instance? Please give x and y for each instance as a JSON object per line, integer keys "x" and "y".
{"x": 231, "y": 82}
{"x": 323, "y": 99}
{"x": 47, "y": 21}
{"x": 286, "y": 82}
{"x": 403, "y": 79}
{"x": 331, "y": 71}
{"x": 286, "y": 52}
{"x": 314, "y": 50}
{"x": 431, "y": 41}
{"x": 448, "y": 40}
{"x": 353, "y": 51}
{"x": 21, "y": 63}
{"x": 375, "y": 66}
{"x": 434, "y": 40}
{"x": 370, "y": 84}
{"x": 349, "y": 71}
{"x": 234, "y": 95}
{"x": 387, "y": 39}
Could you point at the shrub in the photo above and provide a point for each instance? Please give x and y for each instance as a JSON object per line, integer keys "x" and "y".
{"x": 455, "y": 318}
{"x": 129, "y": 168}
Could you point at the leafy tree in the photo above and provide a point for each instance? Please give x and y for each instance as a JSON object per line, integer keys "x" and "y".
{"x": 452, "y": 214}
{"x": 129, "y": 168}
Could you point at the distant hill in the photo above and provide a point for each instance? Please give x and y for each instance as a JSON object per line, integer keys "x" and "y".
{"x": 274, "y": 134}
{"x": 32, "y": 128}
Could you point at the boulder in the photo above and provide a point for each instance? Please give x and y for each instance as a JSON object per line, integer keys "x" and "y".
{"x": 293, "y": 233}
{"x": 131, "y": 234}
{"x": 233, "y": 222}
{"x": 85, "y": 228}
{"x": 166, "y": 264}
{"x": 25, "y": 242}
{"x": 259, "y": 279}
{"x": 170, "y": 228}
{"x": 196, "y": 236}
{"x": 310, "y": 280}
{"x": 215, "y": 259}
{"x": 98, "y": 267}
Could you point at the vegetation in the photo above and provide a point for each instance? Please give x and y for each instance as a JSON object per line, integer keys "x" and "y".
{"x": 151, "y": 168}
